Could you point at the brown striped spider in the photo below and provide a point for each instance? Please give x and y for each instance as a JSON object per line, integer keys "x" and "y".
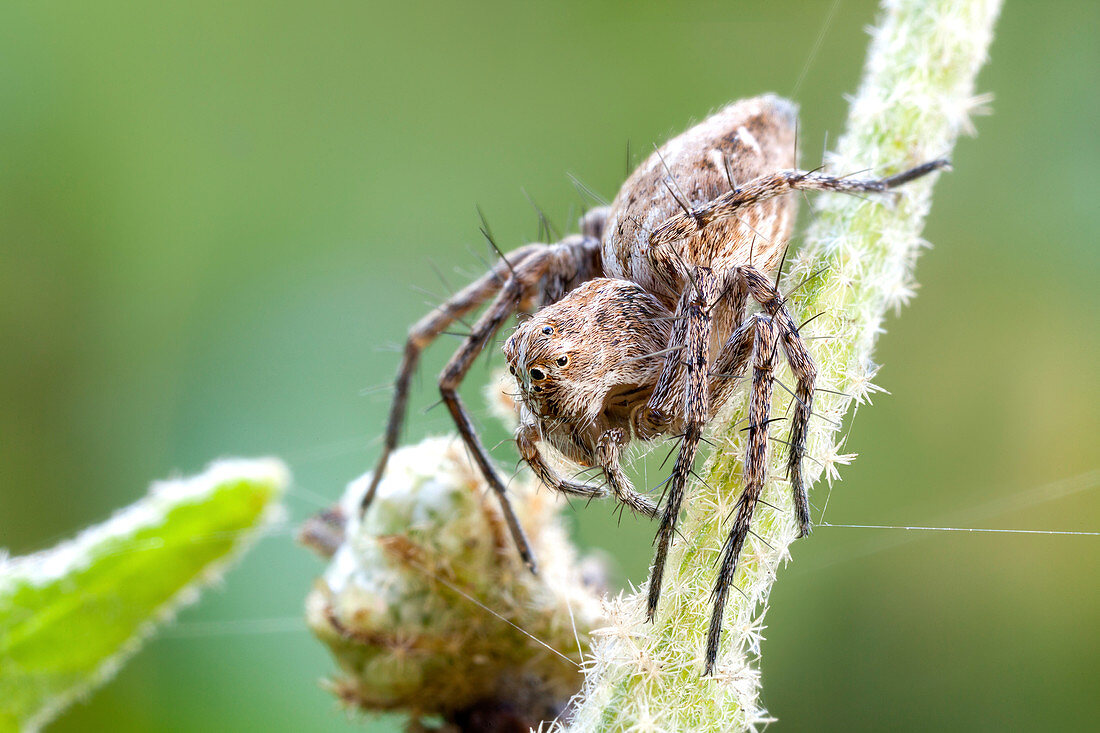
{"x": 640, "y": 325}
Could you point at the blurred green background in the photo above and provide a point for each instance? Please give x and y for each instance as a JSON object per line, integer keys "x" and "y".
{"x": 214, "y": 216}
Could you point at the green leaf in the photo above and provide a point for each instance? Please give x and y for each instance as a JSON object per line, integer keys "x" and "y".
{"x": 71, "y": 615}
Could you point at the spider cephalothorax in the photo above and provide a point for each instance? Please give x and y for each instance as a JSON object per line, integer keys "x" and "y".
{"x": 641, "y": 325}
{"x": 585, "y": 359}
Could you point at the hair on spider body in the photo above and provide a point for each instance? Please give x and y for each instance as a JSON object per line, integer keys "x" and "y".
{"x": 640, "y": 326}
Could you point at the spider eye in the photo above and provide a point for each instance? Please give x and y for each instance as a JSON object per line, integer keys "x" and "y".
{"x": 512, "y": 369}
{"x": 548, "y": 330}
{"x": 538, "y": 389}
{"x": 563, "y": 360}
{"x": 538, "y": 374}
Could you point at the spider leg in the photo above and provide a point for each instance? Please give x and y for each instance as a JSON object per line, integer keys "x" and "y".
{"x": 727, "y": 370}
{"x": 762, "y": 188}
{"x": 695, "y": 307}
{"x": 655, "y": 418}
{"x": 526, "y": 437}
{"x": 593, "y": 222}
{"x": 729, "y": 366}
{"x": 608, "y": 455}
{"x": 505, "y": 305}
{"x": 727, "y": 306}
{"x": 763, "y": 333}
{"x": 802, "y": 366}
{"x": 422, "y": 334}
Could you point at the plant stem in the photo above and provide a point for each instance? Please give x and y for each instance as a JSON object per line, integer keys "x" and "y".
{"x": 857, "y": 263}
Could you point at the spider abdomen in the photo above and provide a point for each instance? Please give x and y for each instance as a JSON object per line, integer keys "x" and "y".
{"x": 743, "y": 141}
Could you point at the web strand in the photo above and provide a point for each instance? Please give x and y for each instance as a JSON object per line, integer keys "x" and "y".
{"x": 964, "y": 529}
{"x": 488, "y": 610}
{"x": 816, "y": 47}
{"x": 987, "y": 510}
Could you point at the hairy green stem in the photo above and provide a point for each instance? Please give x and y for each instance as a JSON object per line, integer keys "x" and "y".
{"x": 857, "y": 263}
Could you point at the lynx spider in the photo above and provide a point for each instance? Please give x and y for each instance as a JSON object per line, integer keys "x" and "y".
{"x": 640, "y": 325}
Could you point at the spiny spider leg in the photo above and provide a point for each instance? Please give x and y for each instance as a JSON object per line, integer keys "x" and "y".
{"x": 683, "y": 225}
{"x": 666, "y": 401}
{"x": 726, "y": 371}
{"x": 695, "y": 307}
{"x": 763, "y": 335}
{"x": 422, "y": 334}
{"x": 802, "y": 366}
{"x": 505, "y": 305}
